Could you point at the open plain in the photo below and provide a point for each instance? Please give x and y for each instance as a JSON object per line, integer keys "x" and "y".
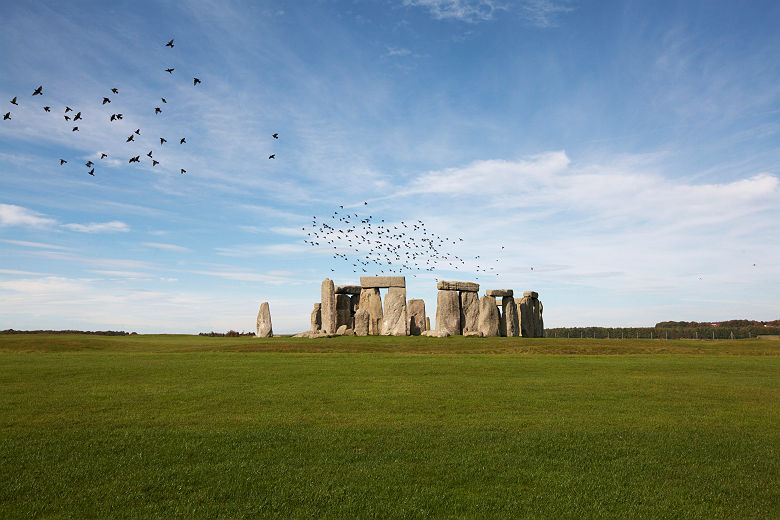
{"x": 410, "y": 427}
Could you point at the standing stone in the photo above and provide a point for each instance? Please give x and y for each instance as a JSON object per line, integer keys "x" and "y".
{"x": 343, "y": 314}
{"x": 328, "y": 307}
{"x": 488, "y": 316}
{"x": 509, "y": 317}
{"x": 361, "y": 322}
{"x": 416, "y": 310}
{"x": 316, "y": 318}
{"x": 525, "y": 316}
{"x": 530, "y": 312}
{"x": 354, "y": 301}
{"x": 394, "y": 319}
{"x": 371, "y": 301}
{"x": 539, "y": 321}
{"x": 469, "y": 311}
{"x": 448, "y": 312}
{"x": 264, "y": 329}
{"x": 427, "y": 323}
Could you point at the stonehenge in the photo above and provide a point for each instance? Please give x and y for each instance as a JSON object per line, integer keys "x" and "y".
{"x": 264, "y": 329}
{"x": 359, "y": 310}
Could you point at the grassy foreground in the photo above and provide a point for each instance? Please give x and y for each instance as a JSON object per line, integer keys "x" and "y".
{"x": 192, "y": 427}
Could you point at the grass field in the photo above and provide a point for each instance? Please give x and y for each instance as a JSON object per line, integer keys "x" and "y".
{"x": 195, "y": 427}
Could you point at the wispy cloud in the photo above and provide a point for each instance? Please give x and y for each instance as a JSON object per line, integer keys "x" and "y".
{"x": 115, "y": 226}
{"x": 167, "y": 247}
{"x": 463, "y": 10}
{"x": 39, "y": 245}
{"x": 12, "y": 215}
{"x": 397, "y": 51}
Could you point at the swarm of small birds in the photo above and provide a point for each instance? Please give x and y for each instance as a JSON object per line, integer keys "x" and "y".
{"x": 72, "y": 115}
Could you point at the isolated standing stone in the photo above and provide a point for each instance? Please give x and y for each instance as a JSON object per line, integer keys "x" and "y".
{"x": 343, "y": 314}
{"x": 316, "y": 318}
{"x": 469, "y": 311}
{"x": 394, "y": 319}
{"x": 361, "y": 322}
{"x": 371, "y": 301}
{"x": 328, "y": 306}
{"x": 448, "y": 312}
{"x": 416, "y": 309}
{"x": 264, "y": 329}
{"x": 488, "y": 316}
{"x": 509, "y": 317}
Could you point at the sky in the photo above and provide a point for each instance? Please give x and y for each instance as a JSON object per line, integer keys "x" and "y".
{"x": 621, "y": 158}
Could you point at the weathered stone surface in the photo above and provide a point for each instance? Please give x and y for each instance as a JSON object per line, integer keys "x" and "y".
{"x": 475, "y": 333}
{"x": 469, "y": 311}
{"x": 394, "y": 319}
{"x": 457, "y": 286}
{"x": 488, "y": 316}
{"x": 531, "y": 294}
{"x": 509, "y": 319}
{"x": 381, "y": 282}
{"x": 343, "y": 314}
{"x": 361, "y": 322}
{"x": 328, "y": 306}
{"x": 354, "y": 301}
{"x": 531, "y": 321}
{"x": 500, "y": 292}
{"x": 264, "y": 329}
{"x": 371, "y": 301}
{"x": 448, "y": 312}
{"x": 436, "y": 333}
{"x": 348, "y": 289}
{"x": 341, "y": 330}
{"x": 316, "y": 318}
{"x": 427, "y": 323}
{"x": 416, "y": 309}
{"x": 312, "y": 334}
{"x": 539, "y": 322}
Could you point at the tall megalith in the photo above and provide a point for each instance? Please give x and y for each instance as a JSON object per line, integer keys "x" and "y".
{"x": 328, "y": 307}
{"x": 509, "y": 319}
{"x": 488, "y": 316}
{"x": 316, "y": 318}
{"x": 416, "y": 309}
{"x": 469, "y": 311}
{"x": 394, "y": 319}
{"x": 264, "y": 329}
{"x": 448, "y": 311}
{"x": 371, "y": 301}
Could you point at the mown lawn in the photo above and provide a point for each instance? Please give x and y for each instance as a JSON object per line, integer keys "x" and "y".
{"x": 189, "y": 427}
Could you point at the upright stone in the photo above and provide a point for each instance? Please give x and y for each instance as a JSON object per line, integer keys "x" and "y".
{"x": 448, "y": 312}
{"x": 361, "y": 322}
{"x": 343, "y": 314}
{"x": 416, "y": 310}
{"x": 316, "y": 318}
{"x": 394, "y": 319}
{"x": 539, "y": 322}
{"x": 509, "y": 317}
{"x": 469, "y": 311}
{"x": 264, "y": 329}
{"x": 328, "y": 307}
{"x": 530, "y": 312}
{"x": 371, "y": 301}
{"x": 427, "y": 323}
{"x": 488, "y": 316}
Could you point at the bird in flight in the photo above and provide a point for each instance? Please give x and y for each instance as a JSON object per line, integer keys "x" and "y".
{"x": 365, "y": 203}
{"x": 75, "y": 129}
{"x": 169, "y": 71}
{"x": 130, "y": 138}
{"x": 163, "y": 140}
{"x": 275, "y": 136}
{"x": 169, "y": 44}
{"x": 7, "y": 116}
{"x": 113, "y": 117}
{"x": 119, "y": 116}
{"x": 149, "y": 155}
{"x": 103, "y": 156}
{"x": 183, "y": 171}
{"x": 77, "y": 116}
{"x": 88, "y": 164}
{"x": 195, "y": 81}
{"x": 106, "y": 100}
{"x": 272, "y": 156}
{"x": 115, "y": 91}
{"x": 155, "y": 163}
{"x": 138, "y": 131}
{"x": 137, "y": 158}
{"x": 92, "y": 172}
{"x": 163, "y": 100}
{"x": 62, "y": 161}
{"x": 67, "y": 118}
{"x": 157, "y": 110}
{"x": 13, "y": 101}
{"x": 183, "y": 140}
{"x": 38, "y": 91}
{"x": 47, "y": 109}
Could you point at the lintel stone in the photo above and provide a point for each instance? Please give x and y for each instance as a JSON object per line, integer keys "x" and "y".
{"x": 381, "y": 282}
{"x": 499, "y": 292}
{"x": 348, "y": 289}
{"x": 531, "y": 294}
{"x": 444, "y": 285}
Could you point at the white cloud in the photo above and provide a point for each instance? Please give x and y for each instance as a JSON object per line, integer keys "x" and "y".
{"x": 464, "y": 10}
{"x": 167, "y": 247}
{"x": 397, "y": 51}
{"x": 115, "y": 226}
{"x": 38, "y": 245}
{"x": 11, "y": 215}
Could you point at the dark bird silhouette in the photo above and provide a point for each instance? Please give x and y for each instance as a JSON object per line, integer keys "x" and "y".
{"x": 68, "y": 109}
{"x": 183, "y": 171}
{"x": 88, "y": 164}
{"x": 195, "y": 81}
{"x": 275, "y": 136}
{"x": 13, "y": 101}
{"x": 272, "y": 156}
{"x": 119, "y": 116}
{"x": 75, "y": 129}
{"x": 115, "y": 91}
{"x": 163, "y": 140}
{"x": 365, "y": 203}
{"x": 38, "y": 91}
{"x": 113, "y": 117}
{"x": 130, "y": 138}
{"x": 169, "y": 71}
{"x": 163, "y": 100}
{"x": 7, "y": 116}
{"x": 183, "y": 140}
{"x": 157, "y": 110}
{"x": 77, "y": 116}
{"x": 169, "y": 44}
{"x": 67, "y": 118}
{"x": 62, "y": 161}
{"x": 106, "y": 100}
{"x": 149, "y": 155}
{"x": 138, "y": 131}
{"x": 47, "y": 109}
{"x": 103, "y": 156}
{"x": 92, "y": 172}
{"x": 155, "y": 163}
{"x": 137, "y": 158}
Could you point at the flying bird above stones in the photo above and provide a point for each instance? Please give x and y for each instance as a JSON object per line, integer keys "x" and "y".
{"x": 169, "y": 71}
{"x": 75, "y": 129}
{"x": 38, "y": 91}
{"x": 13, "y": 101}
{"x": 275, "y": 136}
{"x": 119, "y": 116}
{"x": 47, "y": 109}
{"x": 130, "y": 138}
{"x": 183, "y": 171}
{"x": 157, "y": 110}
{"x": 113, "y": 117}
{"x": 7, "y": 116}
{"x": 138, "y": 131}
{"x": 195, "y": 81}
{"x": 88, "y": 164}
{"x": 106, "y": 100}
{"x": 163, "y": 140}
{"x": 137, "y": 158}
{"x": 169, "y": 44}
{"x": 92, "y": 172}
{"x": 183, "y": 140}
{"x": 155, "y": 163}
{"x": 62, "y": 161}
{"x": 103, "y": 156}
{"x": 115, "y": 91}
{"x": 149, "y": 155}
{"x": 272, "y": 156}
{"x": 163, "y": 100}
{"x": 77, "y": 116}
{"x": 68, "y": 109}
{"x": 67, "y": 118}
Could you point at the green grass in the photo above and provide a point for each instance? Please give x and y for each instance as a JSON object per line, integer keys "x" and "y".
{"x": 192, "y": 427}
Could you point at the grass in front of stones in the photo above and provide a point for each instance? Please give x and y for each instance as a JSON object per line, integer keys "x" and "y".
{"x": 136, "y": 427}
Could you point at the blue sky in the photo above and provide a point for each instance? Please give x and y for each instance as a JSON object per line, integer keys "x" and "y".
{"x": 627, "y": 151}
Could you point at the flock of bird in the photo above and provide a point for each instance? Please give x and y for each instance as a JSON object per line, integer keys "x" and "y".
{"x": 72, "y": 116}
{"x": 372, "y": 246}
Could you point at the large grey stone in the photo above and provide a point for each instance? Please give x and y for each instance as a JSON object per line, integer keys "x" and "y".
{"x": 361, "y": 322}
{"x": 509, "y": 319}
{"x": 394, "y": 319}
{"x": 343, "y": 314}
{"x": 264, "y": 329}
{"x": 436, "y": 333}
{"x": 500, "y": 292}
{"x": 416, "y": 309}
{"x": 448, "y": 312}
{"x": 488, "y": 316}
{"x": 531, "y": 294}
{"x": 371, "y": 301}
{"x": 381, "y": 282}
{"x": 469, "y": 311}
{"x": 348, "y": 289}
{"x": 341, "y": 330}
{"x": 444, "y": 285}
{"x": 539, "y": 322}
{"x": 427, "y": 323}
{"x": 531, "y": 321}
{"x": 328, "y": 307}
{"x": 316, "y": 318}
